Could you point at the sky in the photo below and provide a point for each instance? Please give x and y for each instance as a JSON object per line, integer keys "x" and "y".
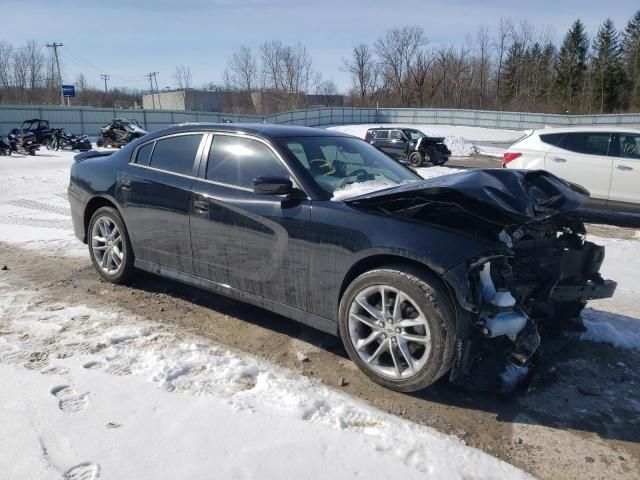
{"x": 128, "y": 39}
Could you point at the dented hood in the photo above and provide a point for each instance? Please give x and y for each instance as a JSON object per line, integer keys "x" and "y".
{"x": 499, "y": 196}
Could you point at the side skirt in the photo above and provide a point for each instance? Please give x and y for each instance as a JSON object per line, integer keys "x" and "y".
{"x": 310, "y": 319}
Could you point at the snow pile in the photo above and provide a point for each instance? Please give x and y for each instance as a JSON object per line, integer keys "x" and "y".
{"x": 618, "y": 330}
{"x": 460, "y": 140}
{"x": 77, "y": 400}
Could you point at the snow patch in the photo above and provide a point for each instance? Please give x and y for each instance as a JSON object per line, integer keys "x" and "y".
{"x": 617, "y": 330}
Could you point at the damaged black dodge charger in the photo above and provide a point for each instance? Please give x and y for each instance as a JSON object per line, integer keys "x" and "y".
{"x": 461, "y": 275}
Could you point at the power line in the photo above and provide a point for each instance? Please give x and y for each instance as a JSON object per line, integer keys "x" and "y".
{"x": 55, "y": 47}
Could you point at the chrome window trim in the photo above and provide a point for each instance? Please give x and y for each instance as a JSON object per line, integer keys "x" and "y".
{"x": 203, "y": 155}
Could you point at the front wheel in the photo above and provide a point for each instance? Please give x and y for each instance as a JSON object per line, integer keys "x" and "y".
{"x": 109, "y": 245}
{"x": 416, "y": 159}
{"x": 398, "y": 326}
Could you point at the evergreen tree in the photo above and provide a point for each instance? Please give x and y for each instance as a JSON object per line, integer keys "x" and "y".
{"x": 571, "y": 65}
{"x": 512, "y": 68}
{"x": 609, "y": 77}
{"x": 631, "y": 57}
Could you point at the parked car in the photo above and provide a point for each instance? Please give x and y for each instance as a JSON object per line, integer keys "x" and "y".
{"x": 461, "y": 274}
{"x": 408, "y": 145}
{"x": 119, "y": 132}
{"x": 604, "y": 160}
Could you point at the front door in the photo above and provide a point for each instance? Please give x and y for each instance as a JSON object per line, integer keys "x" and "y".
{"x": 155, "y": 193}
{"x": 248, "y": 241}
{"x": 582, "y": 158}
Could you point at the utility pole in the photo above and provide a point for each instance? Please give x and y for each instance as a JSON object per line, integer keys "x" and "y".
{"x": 105, "y": 77}
{"x": 155, "y": 78}
{"x": 150, "y": 77}
{"x": 55, "y": 46}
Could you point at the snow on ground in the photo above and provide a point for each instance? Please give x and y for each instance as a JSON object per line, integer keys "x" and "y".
{"x": 460, "y": 140}
{"x": 90, "y": 392}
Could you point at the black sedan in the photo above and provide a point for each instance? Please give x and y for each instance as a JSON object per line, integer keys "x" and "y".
{"x": 461, "y": 274}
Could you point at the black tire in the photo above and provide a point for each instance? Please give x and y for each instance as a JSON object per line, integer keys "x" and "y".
{"x": 416, "y": 159}
{"x": 126, "y": 269}
{"x": 433, "y": 300}
{"x": 100, "y": 143}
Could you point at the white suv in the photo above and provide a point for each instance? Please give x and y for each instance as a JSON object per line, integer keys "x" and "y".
{"x": 604, "y": 160}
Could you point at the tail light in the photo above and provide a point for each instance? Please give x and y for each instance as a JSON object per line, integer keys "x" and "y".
{"x": 510, "y": 156}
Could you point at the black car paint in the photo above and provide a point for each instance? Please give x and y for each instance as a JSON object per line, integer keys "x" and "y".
{"x": 296, "y": 254}
{"x": 276, "y": 250}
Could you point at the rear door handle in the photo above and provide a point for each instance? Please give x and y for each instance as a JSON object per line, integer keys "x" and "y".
{"x": 624, "y": 168}
{"x": 559, "y": 159}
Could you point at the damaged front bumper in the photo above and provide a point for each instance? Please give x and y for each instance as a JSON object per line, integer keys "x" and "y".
{"x": 514, "y": 298}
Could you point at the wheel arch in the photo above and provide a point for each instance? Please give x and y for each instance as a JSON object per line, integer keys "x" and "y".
{"x": 388, "y": 260}
{"x": 92, "y": 205}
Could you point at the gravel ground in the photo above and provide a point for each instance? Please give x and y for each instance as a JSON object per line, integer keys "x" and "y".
{"x": 577, "y": 423}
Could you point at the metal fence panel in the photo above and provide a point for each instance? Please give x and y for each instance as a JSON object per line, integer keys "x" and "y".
{"x": 89, "y": 120}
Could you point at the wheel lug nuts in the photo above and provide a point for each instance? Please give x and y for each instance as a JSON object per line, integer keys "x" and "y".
{"x": 384, "y": 336}
{"x": 381, "y": 324}
{"x": 398, "y": 330}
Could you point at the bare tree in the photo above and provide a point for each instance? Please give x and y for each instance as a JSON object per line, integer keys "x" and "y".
{"x": 482, "y": 43}
{"x": 363, "y": 69}
{"x": 501, "y": 44}
{"x": 396, "y": 51}
{"x": 419, "y": 72}
{"x": 183, "y": 77}
{"x": 20, "y": 68}
{"x": 35, "y": 62}
{"x": 6, "y": 56}
{"x": 243, "y": 69}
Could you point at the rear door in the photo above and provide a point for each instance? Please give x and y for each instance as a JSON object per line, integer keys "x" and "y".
{"x": 625, "y": 176}
{"x": 155, "y": 194}
{"x": 582, "y": 158}
{"x": 242, "y": 239}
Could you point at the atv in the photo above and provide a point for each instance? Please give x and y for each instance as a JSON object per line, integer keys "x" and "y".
{"x": 408, "y": 145}
{"x": 40, "y": 128}
{"x": 119, "y": 132}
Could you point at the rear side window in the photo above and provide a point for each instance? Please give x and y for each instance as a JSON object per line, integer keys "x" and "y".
{"x": 629, "y": 145}
{"x": 396, "y": 135}
{"x": 176, "y": 154}
{"x": 237, "y": 161}
{"x": 144, "y": 154}
{"x": 552, "y": 138}
{"x": 382, "y": 134}
{"x": 591, "y": 143}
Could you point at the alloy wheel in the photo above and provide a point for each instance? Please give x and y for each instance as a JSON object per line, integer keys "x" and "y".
{"x": 389, "y": 332}
{"x": 107, "y": 245}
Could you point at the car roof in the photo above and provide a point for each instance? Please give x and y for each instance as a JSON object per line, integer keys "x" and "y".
{"x": 258, "y": 129}
{"x": 588, "y": 128}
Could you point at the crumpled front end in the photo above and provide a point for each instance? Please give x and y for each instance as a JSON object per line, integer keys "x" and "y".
{"x": 534, "y": 282}
{"x": 530, "y": 289}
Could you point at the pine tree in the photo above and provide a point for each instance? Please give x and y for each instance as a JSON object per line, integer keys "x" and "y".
{"x": 572, "y": 64}
{"x": 631, "y": 58}
{"x": 609, "y": 76}
{"x": 512, "y": 68}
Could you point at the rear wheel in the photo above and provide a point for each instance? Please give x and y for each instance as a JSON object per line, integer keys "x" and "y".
{"x": 109, "y": 245}
{"x": 398, "y": 326}
{"x": 416, "y": 159}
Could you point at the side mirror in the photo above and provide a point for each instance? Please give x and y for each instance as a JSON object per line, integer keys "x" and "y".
{"x": 272, "y": 185}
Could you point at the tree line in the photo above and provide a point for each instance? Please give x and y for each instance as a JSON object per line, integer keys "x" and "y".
{"x": 514, "y": 67}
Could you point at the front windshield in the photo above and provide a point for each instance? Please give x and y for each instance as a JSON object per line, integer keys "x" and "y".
{"x": 345, "y": 167}
{"x": 414, "y": 134}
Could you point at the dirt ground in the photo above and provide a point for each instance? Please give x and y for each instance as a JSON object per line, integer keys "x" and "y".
{"x": 582, "y": 420}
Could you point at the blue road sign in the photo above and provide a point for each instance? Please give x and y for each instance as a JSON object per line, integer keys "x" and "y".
{"x": 68, "y": 90}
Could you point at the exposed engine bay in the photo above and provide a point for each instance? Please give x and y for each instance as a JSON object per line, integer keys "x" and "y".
{"x": 530, "y": 286}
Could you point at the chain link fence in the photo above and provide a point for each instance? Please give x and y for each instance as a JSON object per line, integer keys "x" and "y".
{"x": 88, "y": 120}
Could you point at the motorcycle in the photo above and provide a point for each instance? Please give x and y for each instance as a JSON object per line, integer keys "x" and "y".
{"x": 61, "y": 140}
{"x": 119, "y": 132}
{"x": 23, "y": 142}
{"x": 5, "y": 146}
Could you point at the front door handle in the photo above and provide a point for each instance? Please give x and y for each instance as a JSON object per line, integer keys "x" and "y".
{"x": 559, "y": 159}
{"x": 201, "y": 205}
{"x": 125, "y": 183}
{"x": 624, "y": 168}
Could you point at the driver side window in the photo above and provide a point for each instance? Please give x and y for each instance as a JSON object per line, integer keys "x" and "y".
{"x": 396, "y": 135}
